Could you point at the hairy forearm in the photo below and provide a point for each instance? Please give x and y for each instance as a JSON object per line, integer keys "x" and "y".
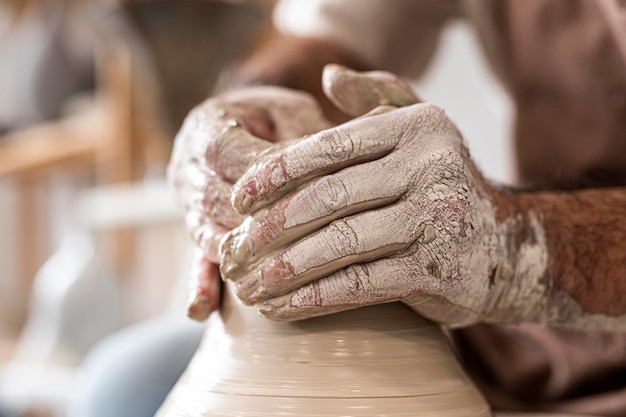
{"x": 295, "y": 63}
{"x": 583, "y": 233}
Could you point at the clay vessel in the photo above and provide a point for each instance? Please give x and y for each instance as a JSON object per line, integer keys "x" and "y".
{"x": 373, "y": 361}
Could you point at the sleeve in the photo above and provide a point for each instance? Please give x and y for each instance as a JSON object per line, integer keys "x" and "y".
{"x": 394, "y": 35}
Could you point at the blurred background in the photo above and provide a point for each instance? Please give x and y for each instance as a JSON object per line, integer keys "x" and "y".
{"x": 92, "y": 93}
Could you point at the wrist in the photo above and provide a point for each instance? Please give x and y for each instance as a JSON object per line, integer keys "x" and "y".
{"x": 519, "y": 277}
{"x": 583, "y": 246}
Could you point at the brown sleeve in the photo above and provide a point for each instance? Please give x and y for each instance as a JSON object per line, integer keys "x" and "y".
{"x": 534, "y": 368}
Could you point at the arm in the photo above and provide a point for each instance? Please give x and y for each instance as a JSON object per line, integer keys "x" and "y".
{"x": 583, "y": 282}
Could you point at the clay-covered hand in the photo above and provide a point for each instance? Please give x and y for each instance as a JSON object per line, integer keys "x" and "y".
{"x": 216, "y": 145}
{"x": 387, "y": 207}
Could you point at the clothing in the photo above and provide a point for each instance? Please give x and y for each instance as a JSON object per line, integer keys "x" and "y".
{"x": 561, "y": 62}
{"x": 130, "y": 373}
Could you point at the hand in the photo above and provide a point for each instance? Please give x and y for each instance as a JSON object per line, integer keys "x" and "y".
{"x": 387, "y": 207}
{"x": 221, "y": 138}
{"x": 216, "y": 145}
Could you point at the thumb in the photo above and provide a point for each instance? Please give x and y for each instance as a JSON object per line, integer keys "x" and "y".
{"x": 204, "y": 287}
{"x": 357, "y": 93}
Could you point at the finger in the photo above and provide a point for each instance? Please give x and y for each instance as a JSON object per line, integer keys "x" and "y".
{"x": 357, "y": 93}
{"x": 359, "y": 238}
{"x": 204, "y": 287}
{"x": 209, "y": 214}
{"x": 349, "y": 191}
{"x": 326, "y": 152}
{"x": 208, "y": 194}
{"x": 359, "y": 285}
{"x": 412, "y": 279}
{"x": 207, "y": 236}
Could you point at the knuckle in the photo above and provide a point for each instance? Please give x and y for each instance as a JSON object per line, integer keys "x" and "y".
{"x": 215, "y": 204}
{"x": 426, "y": 118}
{"x": 358, "y": 279}
{"x": 336, "y": 144}
{"x": 342, "y": 238}
{"x": 332, "y": 193}
{"x": 431, "y": 112}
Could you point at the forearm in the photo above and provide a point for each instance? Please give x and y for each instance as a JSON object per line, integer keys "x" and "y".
{"x": 582, "y": 277}
{"x": 295, "y": 63}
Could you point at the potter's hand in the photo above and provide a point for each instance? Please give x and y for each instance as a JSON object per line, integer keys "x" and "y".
{"x": 221, "y": 138}
{"x": 215, "y": 146}
{"x": 386, "y": 207}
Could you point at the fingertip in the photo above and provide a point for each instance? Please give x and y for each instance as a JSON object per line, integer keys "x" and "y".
{"x": 356, "y": 93}
{"x": 205, "y": 287}
{"x": 330, "y": 75}
{"x": 236, "y": 248}
{"x": 244, "y": 196}
{"x": 201, "y": 306}
{"x": 227, "y": 269}
{"x": 274, "y": 311}
{"x": 339, "y": 86}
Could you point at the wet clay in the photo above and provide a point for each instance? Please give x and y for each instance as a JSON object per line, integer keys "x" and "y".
{"x": 372, "y": 361}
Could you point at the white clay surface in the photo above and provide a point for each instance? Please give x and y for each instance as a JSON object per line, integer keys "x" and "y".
{"x": 381, "y": 360}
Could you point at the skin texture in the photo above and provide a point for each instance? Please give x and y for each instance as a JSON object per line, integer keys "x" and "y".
{"x": 569, "y": 286}
{"x": 563, "y": 124}
{"x": 222, "y": 138}
{"x": 216, "y": 145}
{"x": 417, "y": 228}
{"x": 359, "y": 232}
{"x": 390, "y": 207}
{"x": 588, "y": 261}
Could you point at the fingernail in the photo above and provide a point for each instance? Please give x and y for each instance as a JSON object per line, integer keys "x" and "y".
{"x": 257, "y": 295}
{"x": 243, "y": 196}
{"x": 265, "y": 308}
{"x": 273, "y": 309}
